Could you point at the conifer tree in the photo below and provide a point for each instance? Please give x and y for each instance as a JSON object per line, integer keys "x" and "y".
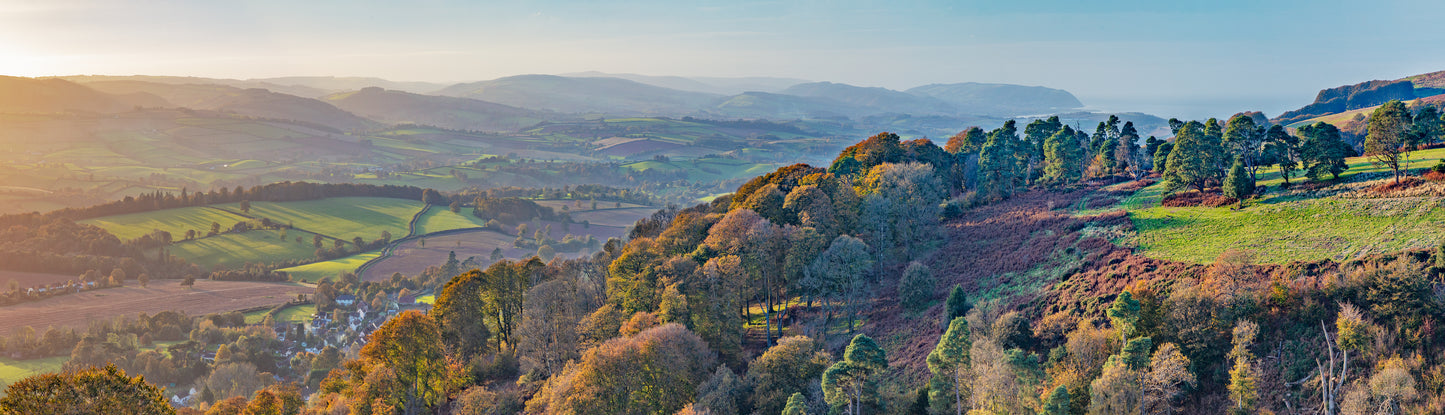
{"x": 1238, "y": 184}
{"x": 1322, "y": 151}
{"x": 1389, "y": 137}
{"x": 1190, "y": 159}
{"x": 996, "y": 163}
{"x": 1062, "y": 154}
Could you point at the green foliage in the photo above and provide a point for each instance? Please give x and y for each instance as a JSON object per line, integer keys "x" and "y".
{"x": 1190, "y": 162}
{"x": 996, "y": 164}
{"x": 850, "y": 383}
{"x": 915, "y": 289}
{"x": 1388, "y": 137}
{"x": 1323, "y": 151}
{"x": 949, "y": 365}
{"x": 957, "y": 304}
{"x": 797, "y": 405}
{"x": 785, "y": 369}
{"x": 1124, "y": 315}
{"x": 1058, "y": 402}
{"x": 1064, "y": 157}
{"x": 1238, "y": 183}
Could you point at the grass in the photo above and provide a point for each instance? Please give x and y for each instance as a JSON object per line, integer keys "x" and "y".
{"x": 327, "y": 270}
{"x": 427, "y": 299}
{"x": 176, "y": 221}
{"x": 14, "y": 370}
{"x": 232, "y": 250}
{"x": 342, "y": 217}
{"x": 1280, "y": 229}
{"x": 293, "y": 314}
{"x": 442, "y": 219}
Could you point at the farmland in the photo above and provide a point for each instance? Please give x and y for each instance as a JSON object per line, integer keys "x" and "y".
{"x": 231, "y": 250}
{"x": 1295, "y": 225}
{"x": 411, "y": 256}
{"x": 325, "y": 270}
{"x": 31, "y": 279}
{"x": 176, "y": 221}
{"x": 78, "y": 310}
{"x": 13, "y": 370}
{"x": 343, "y": 217}
{"x": 437, "y": 220}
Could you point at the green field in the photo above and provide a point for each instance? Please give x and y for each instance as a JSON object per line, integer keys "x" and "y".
{"x": 295, "y": 314}
{"x": 427, "y": 299}
{"x": 342, "y": 217}
{"x": 1283, "y": 227}
{"x": 326, "y": 270}
{"x": 176, "y": 221}
{"x": 442, "y": 219}
{"x": 232, "y": 250}
{"x": 14, "y": 370}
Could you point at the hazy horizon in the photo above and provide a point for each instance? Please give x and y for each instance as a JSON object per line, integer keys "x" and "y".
{"x": 1186, "y": 59}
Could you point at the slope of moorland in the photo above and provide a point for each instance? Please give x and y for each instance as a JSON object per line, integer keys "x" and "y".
{"x": 874, "y": 98}
{"x": 1000, "y": 99}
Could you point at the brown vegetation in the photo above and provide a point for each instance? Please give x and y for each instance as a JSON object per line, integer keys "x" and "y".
{"x": 1188, "y": 199}
{"x": 77, "y": 310}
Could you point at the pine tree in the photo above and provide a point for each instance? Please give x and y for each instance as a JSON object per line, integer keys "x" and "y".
{"x": 957, "y": 304}
{"x": 1062, "y": 154}
{"x": 1389, "y": 137}
{"x": 1322, "y": 150}
{"x": 1190, "y": 159}
{"x": 797, "y": 405}
{"x": 996, "y": 163}
{"x": 1238, "y": 184}
{"x": 949, "y": 364}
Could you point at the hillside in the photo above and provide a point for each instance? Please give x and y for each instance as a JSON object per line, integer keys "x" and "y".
{"x": 1000, "y": 99}
{"x": 41, "y": 96}
{"x": 1367, "y": 94}
{"x": 877, "y": 100}
{"x": 780, "y": 106}
{"x": 297, "y": 90}
{"x": 399, "y": 107}
{"x": 342, "y": 83}
{"x": 251, "y": 102}
{"x": 711, "y": 85}
{"x": 581, "y": 95}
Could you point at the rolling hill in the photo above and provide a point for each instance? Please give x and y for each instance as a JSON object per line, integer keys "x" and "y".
{"x": 399, "y": 107}
{"x": 582, "y": 95}
{"x": 999, "y": 99}
{"x": 876, "y": 100}
{"x": 43, "y": 96}
{"x": 251, "y": 102}
{"x": 711, "y": 85}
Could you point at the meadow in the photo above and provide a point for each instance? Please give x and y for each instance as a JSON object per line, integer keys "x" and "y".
{"x": 232, "y": 250}
{"x": 328, "y": 270}
{"x": 341, "y": 217}
{"x": 442, "y": 219}
{"x": 1285, "y": 226}
{"x": 13, "y": 370}
{"x": 176, "y": 221}
{"x": 292, "y": 314}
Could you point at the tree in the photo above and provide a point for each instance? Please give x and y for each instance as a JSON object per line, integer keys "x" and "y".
{"x": 1167, "y": 379}
{"x": 245, "y": 206}
{"x": 189, "y": 282}
{"x": 1392, "y": 386}
{"x": 1246, "y": 140}
{"x": 1189, "y": 163}
{"x": 548, "y": 336}
{"x": 783, "y": 370}
{"x": 957, "y": 304}
{"x": 915, "y": 289}
{"x": 458, "y": 310}
{"x": 1063, "y": 157}
{"x": 1238, "y": 184}
{"x": 410, "y": 345}
{"x": 908, "y": 221}
{"x": 841, "y": 272}
{"x": 1124, "y": 315}
{"x": 797, "y": 405}
{"x": 1323, "y": 151}
{"x": 144, "y": 279}
{"x": 1282, "y": 149}
{"x": 1058, "y": 401}
{"x": 996, "y": 163}
{"x": 496, "y": 254}
{"x": 950, "y": 368}
{"x": 1243, "y": 381}
{"x": 1427, "y": 128}
{"x": 456, "y": 206}
{"x": 92, "y": 390}
{"x": 721, "y": 394}
{"x": 1389, "y": 135}
{"x": 1161, "y": 156}
{"x": 850, "y": 383}
{"x": 655, "y": 371}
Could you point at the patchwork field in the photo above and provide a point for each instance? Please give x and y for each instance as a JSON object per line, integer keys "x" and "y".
{"x": 613, "y": 217}
{"x": 77, "y": 310}
{"x": 411, "y": 257}
{"x": 294, "y": 314}
{"x": 326, "y": 270}
{"x": 341, "y": 217}
{"x": 176, "y": 221}
{"x": 232, "y": 250}
{"x": 442, "y": 219}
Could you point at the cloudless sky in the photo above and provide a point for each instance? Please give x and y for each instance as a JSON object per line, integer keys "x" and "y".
{"x": 1173, "y": 58}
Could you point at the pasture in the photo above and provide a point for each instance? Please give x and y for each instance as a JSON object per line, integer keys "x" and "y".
{"x": 328, "y": 270}
{"x": 232, "y": 250}
{"x": 176, "y": 221}
{"x": 342, "y": 217}
{"x": 442, "y": 219}
{"x": 13, "y": 370}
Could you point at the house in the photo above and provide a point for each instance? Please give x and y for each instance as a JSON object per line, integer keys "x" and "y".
{"x": 345, "y": 300}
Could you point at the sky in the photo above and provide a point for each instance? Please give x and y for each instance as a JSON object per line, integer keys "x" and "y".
{"x": 1174, "y": 58}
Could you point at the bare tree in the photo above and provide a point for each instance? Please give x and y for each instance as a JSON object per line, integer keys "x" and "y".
{"x": 1331, "y": 381}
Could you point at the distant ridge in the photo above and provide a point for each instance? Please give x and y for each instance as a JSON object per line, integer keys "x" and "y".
{"x": 398, "y": 107}
{"x": 582, "y": 95}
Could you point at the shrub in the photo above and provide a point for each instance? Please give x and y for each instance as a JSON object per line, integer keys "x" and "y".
{"x": 915, "y": 290}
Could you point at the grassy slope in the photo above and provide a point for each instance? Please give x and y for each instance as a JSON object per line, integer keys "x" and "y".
{"x": 233, "y": 250}
{"x": 1281, "y": 229}
{"x": 442, "y": 219}
{"x": 175, "y": 221}
{"x": 342, "y": 217}
{"x": 325, "y": 270}
{"x": 14, "y": 370}
{"x": 294, "y": 314}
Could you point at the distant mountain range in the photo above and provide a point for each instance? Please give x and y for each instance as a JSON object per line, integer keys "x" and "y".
{"x": 517, "y": 102}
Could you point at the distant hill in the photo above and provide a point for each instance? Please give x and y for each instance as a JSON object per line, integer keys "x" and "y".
{"x": 582, "y": 95}
{"x": 31, "y": 95}
{"x": 779, "y": 106}
{"x": 252, "y": 102}
{"x": 711, "y": 85}
{"x": 881, "y": 100}
{"x": 342, "y": 84}
{"x": 297, "y": 90}
{"x": 1000, "y": 99}
{"x": 398, "y": 107}
{"x": 1347, "y": 98}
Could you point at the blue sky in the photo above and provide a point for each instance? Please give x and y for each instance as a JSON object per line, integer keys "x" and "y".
{"x": 1185, "y": 58}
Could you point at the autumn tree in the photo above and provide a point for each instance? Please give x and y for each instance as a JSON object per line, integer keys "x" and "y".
{"x": 783, "y": 370}
{"x": 1388, "y": 138}
{"x": 410, "y": 346}
{"x": 655, "y": 371}
{"x": 106, "y": 390}
{"x": 842, "y": 273}
{"x": 459, "y": 312}
{"x": 1243, "y": 379}
{"x": 1166, "y": 381}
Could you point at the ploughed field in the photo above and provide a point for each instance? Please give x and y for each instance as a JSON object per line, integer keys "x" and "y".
{"x": 410, "y": 257}
{"x": 78, "y": 310}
